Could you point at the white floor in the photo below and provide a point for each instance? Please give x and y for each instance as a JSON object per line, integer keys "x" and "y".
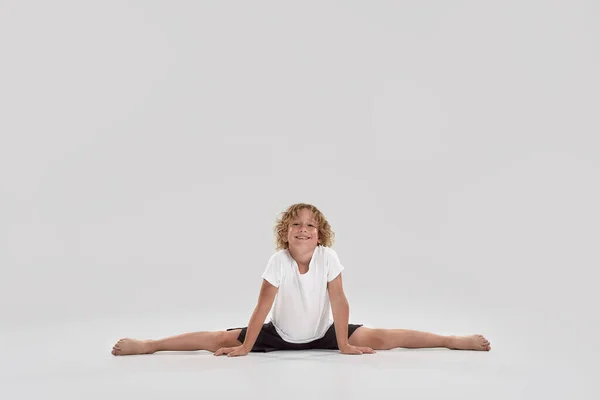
{"x": 73, "y": 361}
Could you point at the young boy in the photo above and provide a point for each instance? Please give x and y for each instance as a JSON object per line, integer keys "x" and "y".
{"x": 303, "y": 284}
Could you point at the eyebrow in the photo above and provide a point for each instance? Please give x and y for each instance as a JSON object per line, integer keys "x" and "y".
{"x": 310, "y": 222}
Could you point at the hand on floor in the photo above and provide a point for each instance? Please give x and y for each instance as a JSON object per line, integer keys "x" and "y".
{"x": 232, "y": 351}
{"x": 349, "y": 349}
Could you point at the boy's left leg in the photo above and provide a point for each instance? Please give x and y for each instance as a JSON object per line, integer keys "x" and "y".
{"x": 386, "y": 339}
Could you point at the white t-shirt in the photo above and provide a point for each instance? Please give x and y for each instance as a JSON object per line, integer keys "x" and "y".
{"x": 301, "y": 311}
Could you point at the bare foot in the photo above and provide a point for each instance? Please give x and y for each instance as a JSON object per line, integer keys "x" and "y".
{"x": 472, "y": 342}
{"x": 127, "y": 346}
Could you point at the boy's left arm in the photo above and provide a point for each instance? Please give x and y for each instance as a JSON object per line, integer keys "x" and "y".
{"x": 341, "y": 311}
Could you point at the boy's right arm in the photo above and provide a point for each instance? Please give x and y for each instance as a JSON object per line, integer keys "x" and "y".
{"x": 265, "y": 302}
{"x": 263, "y": 306}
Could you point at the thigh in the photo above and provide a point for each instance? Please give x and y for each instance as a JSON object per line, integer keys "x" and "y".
{"x": 231, "y": 338}
{"x": 367, "y": 337}
{"x": 268, "y": 339}
{"x": 329, "y": 341}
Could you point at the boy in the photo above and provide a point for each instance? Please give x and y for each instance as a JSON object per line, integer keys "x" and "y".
{"x": 311, "y": 310}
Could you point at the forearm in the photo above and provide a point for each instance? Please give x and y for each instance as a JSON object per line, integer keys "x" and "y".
{"x": 254, "y": 326}
{"x": 341, "y": 311}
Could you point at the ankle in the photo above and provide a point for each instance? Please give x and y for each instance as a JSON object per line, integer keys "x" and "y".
{"x": 450, "y": 342}
{"x": 151, "y": 346}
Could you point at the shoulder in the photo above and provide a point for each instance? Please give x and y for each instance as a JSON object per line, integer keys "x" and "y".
{"x": 276, "y": 264}
{"x": 332, "y": 263}
{"x": 328, "y": 253}
{"x": 278, "y": 256}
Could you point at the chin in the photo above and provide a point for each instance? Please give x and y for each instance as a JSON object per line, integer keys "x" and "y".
{"x": 304, "y": 245}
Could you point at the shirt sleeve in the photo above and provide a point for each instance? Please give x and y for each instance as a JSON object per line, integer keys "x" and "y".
{"x": 334, "y": 267}
{"x": 272, "y": 272}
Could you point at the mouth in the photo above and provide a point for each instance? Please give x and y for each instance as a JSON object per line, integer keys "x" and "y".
{"x": 302, "y": 237}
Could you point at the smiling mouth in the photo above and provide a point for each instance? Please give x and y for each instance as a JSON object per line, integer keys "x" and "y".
{"x": 302, "y": 237}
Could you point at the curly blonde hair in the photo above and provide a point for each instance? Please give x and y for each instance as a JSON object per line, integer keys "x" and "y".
{"x": 326, "y": 235}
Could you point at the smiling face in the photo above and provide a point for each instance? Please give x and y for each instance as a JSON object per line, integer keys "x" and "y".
{"x": 303, "y": 232}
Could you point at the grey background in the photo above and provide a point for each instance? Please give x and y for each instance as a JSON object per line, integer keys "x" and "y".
{"x": 148, "y": 146}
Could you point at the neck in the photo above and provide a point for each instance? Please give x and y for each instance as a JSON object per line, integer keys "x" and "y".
{"x": 302, "y": 257}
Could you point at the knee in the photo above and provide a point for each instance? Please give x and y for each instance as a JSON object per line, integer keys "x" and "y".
{"x": 227, "y": 338}
{"x": 373, "y": 338}
{"x": 378, "y": 339}
{"x": 221, "y": 338}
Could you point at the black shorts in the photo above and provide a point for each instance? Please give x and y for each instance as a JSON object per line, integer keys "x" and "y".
{"x": 269, "y": 340}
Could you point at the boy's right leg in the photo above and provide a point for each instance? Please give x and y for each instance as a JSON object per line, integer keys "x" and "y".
{"x": 210, "y": 341}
